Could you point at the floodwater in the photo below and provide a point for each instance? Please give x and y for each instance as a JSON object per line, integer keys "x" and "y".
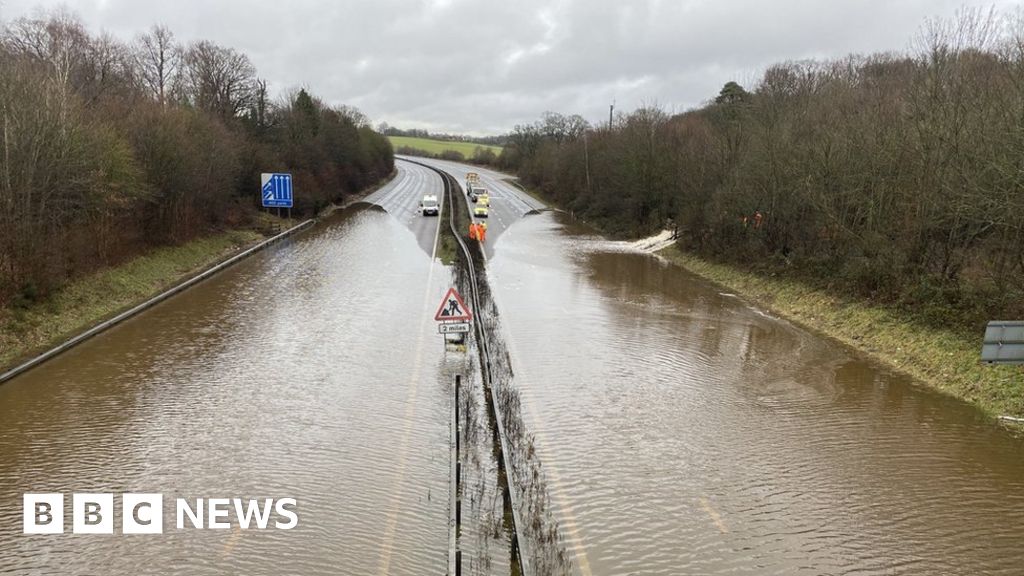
{"x": 309, "y": 371}
{"x": 681, "y": 431}
{"x": 684, "y": 432}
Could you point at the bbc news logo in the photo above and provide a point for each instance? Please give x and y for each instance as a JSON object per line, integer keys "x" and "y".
{"x": 93, "y": 513}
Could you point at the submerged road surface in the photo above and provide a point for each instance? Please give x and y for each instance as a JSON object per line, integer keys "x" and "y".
{"x": 508, "y": 203}
{"x": 310, "y": 371}
{"x": 685, "y": 432}
{"x": 681, "y": 431}
{"x": 402, "y": 196}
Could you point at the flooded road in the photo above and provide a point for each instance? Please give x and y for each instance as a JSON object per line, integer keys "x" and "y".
{"x": 508, "y": 204}
{"x": 684, "y": 432}
{"x": 681, "y": 431}
{"x": 402, "y": 196}
{"x": 309, "y": 371}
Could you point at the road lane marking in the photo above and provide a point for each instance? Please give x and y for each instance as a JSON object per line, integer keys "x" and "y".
{"x": 569, "y": 526}
{"x": 385, "y": 198}
{"x": 232, "y": 541}
{"x": 437, "y": 232}
{"x": 714, "y": 515}
{"x": 388, "y": 545}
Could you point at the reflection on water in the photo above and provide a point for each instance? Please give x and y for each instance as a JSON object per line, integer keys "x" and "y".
{"x": 303, "y": 372}
{"x": 684, "y": 432}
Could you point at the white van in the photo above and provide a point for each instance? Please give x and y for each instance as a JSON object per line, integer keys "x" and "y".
{"x": 429, "y": 205}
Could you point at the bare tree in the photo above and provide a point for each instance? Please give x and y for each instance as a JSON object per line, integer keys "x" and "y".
{"x": 260, "y": 105}
{"x": 107, "y": 149}
{"x": 218, "y": 80}
{"x": 59, "y": 40}
{"x": 354, "y": 115}
{"x": 157, "y": 58}
{"x": 895, "y": 176}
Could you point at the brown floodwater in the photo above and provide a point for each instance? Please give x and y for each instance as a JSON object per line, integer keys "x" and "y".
{"x": 683, "y": 431}
{"x": 311, "y": 371}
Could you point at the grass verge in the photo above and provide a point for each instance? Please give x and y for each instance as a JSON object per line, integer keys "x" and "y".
{"x": 945, "y": 360}
{"x": 447, "y": 245}
{"x": 26, "y": 331}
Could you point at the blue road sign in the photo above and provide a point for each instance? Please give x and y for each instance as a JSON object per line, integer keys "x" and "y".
{"x": 277, "y": 190}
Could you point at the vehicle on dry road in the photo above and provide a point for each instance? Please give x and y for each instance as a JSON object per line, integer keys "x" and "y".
{"x": 430, "y": 206}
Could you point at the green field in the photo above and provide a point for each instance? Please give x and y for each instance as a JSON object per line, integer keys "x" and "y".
{"x": 439, "y": 146}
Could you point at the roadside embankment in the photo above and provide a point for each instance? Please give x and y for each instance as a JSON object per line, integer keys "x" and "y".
{"x": 36, "y": 332}
{"x": 946, "y": 360}
{"x": 28, "y": 329}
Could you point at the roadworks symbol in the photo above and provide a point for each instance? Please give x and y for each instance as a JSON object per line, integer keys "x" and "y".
{"x": 453, "y": 308}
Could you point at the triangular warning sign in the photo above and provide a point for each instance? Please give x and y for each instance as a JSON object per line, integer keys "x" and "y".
{"x": 453, "y": 308}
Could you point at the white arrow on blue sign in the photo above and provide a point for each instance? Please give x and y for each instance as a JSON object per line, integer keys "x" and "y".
{"x": 276, "y": 190}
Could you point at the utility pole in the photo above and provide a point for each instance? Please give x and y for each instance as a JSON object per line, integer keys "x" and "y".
{"x": 611, "y": 111}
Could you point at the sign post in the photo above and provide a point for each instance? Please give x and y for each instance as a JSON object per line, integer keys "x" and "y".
{"x": 276, "y": 191}
{"x": 454, "y": 317}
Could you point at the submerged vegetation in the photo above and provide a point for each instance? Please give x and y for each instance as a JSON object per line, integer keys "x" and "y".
{"x": 112, "y": 149}
{"x": 891, "y": 178}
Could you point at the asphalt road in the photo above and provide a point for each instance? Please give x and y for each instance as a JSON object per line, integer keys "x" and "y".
{"x": 401, "y": 198}
{"x": 508, "y": 203}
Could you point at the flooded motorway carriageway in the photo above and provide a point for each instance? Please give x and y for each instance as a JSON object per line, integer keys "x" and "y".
{"x": 681, "y": 430}
{"x": 685, "y": 432}
{"x": 310, "y": 371}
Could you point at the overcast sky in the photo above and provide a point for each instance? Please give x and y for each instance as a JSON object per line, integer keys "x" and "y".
{"x": 476, "y": 66}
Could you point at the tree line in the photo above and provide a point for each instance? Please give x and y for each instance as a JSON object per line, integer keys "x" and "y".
{"x": 110, "y": 148}
{"x": 896, "y": 177}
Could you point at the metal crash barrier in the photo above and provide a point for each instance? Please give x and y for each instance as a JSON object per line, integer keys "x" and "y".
{"x": 1004, "y": 342}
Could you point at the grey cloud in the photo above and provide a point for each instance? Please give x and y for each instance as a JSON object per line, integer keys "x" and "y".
{"x": 483, "y": 66}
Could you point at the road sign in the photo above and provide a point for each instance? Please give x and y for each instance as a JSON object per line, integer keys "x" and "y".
{"x": 1004, "y": 343}
{"x": 452, "y": 308}
{"x": 276, "y": 190}
{"x": 453, "y": 328}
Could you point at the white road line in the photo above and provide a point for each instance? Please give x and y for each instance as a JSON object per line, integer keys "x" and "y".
{"x": 716, "y": 518}
{"x": 387, "y": 546}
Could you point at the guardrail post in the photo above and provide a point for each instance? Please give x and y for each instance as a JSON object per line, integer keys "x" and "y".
{"x": 455, "y": 513}
{"x": 458, "y": 441}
